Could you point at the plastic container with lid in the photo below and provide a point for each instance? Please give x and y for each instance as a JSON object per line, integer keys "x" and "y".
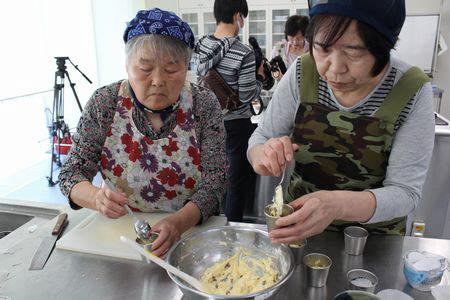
{"x": 423, "y": 270}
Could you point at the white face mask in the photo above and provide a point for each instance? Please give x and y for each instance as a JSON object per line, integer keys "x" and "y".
{"x": 239, "y": 24}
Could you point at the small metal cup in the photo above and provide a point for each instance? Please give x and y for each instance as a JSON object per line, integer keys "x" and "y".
{"x": 317, "y": 267}
{"x": 355, "y": 240}
{"x": 271, "y": 219}
{"x": 298, "y": 248}
{"x": 363, "y": 280}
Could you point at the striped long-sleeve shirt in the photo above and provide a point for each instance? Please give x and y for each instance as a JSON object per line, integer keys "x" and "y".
{"x": 235, "y": 62}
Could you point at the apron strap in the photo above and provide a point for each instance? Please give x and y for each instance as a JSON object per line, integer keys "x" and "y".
{"x": 408, "y": 85}
{"x": 309, "y": 80}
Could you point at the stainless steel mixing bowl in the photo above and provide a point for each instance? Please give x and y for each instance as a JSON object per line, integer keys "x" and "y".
{"x": 196, "y": 252}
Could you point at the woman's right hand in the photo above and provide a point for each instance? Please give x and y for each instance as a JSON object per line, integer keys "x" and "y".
{"x": 110, "y": 203}
{"x": 269, "y": 159}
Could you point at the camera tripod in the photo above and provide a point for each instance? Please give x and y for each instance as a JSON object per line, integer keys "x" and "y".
{"x": 59, "y": 129}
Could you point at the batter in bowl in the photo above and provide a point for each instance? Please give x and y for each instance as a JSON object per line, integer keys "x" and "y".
{"x": 240, "y": 274}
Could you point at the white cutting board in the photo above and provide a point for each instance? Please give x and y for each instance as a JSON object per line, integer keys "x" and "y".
{"x": 100, "y": 235}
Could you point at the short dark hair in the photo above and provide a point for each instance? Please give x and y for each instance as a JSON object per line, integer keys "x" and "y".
{"x": 294, "y": 24}
{"x": 224, "y": 10}
{"x": 335, "y": 26}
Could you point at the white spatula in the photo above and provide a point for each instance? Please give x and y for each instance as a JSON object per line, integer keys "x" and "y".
{"x": 168, "y": 267}
{"x": 278, "y": 199}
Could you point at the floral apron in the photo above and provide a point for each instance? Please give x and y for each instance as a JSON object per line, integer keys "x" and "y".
{"x": 156, "y": 174}
{"x": 339, "y": 150}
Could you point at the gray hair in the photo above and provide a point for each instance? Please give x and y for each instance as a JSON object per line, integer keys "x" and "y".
{"x": 155, "y": 45}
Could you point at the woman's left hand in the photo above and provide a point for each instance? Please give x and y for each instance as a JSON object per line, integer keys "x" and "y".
{"x": 171, "y": 228}
{"x": 313, "y": 213}
{"x": 169, "y": 234}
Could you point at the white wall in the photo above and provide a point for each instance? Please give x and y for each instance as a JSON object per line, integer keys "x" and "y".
{"x": 68, "y": 31}
{"x": 171, "y": 5}
{"x": 442, "y": 71}
{"x": 110, "y": 17}
{"x": 442, "y": 76}
{"x": 33, "y": 32}
{"x": 418, "y": 7}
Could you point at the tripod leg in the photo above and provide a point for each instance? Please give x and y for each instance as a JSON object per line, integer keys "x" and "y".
{"x": 52, "y": 142}
{"x": 57, "y": 99}
{"x": 72, "y": 85}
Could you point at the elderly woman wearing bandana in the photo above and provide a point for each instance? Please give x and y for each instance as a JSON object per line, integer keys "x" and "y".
{"x": 156, "y": 138}
{"x": 357, "y": 123}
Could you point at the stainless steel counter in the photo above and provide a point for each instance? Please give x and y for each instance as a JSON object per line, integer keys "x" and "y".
{"x": 71, "y": 275}
{"x": 442, "y": 125}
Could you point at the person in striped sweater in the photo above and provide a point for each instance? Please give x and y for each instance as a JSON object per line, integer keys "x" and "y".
{"x": 235, "y": 62}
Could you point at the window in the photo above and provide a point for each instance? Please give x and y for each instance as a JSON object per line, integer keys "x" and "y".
{"x": 257, "y": 27}
{"x": 209, "y": 23}
{"x": 279, "y": 17}
{"x": 192, "y": 20}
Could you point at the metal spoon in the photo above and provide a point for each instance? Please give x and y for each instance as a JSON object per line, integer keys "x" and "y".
{"x": 284, "y": 172}
{"x": 278, "y": 187}
{"x": 141, "y": 227}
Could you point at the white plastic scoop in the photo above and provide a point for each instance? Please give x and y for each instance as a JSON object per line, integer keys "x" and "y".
{"x": 168, "y": 267}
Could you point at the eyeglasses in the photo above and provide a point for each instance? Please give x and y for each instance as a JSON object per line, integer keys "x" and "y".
{"x": 298, "y": 41}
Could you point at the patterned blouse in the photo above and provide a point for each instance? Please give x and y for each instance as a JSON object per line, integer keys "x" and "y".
{"x": 83, "y": 161}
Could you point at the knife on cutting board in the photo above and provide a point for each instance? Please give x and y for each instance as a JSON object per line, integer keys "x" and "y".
{"x": 48, "y": 243}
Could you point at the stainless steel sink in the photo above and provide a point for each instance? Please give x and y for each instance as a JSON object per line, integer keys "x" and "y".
{"x": 10, "y": 222}
{"x": 15, "y": 221}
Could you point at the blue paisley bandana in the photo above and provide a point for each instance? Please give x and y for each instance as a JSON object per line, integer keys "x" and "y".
{"x": 157, "y": 21}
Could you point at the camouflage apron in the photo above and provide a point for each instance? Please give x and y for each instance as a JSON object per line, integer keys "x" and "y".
{"x": 340, "y": 150}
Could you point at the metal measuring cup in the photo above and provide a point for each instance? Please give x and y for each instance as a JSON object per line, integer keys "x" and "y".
{"x": 360, "y": 279}
{"x": 297, "y": 247}
{"x": 355, "y": 239}
{"x": 317, "y": 268}
{"x": 271, "y": 217}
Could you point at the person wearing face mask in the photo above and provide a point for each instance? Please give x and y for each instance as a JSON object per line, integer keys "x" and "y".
{"x": 354, "y": 123}
{"x": 235, "y": 62}
{"x": 158, "y": 140}
{"x": 294, "y": 43}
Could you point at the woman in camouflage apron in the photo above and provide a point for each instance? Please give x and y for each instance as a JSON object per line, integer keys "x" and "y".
{"x": 340, "y": 155}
